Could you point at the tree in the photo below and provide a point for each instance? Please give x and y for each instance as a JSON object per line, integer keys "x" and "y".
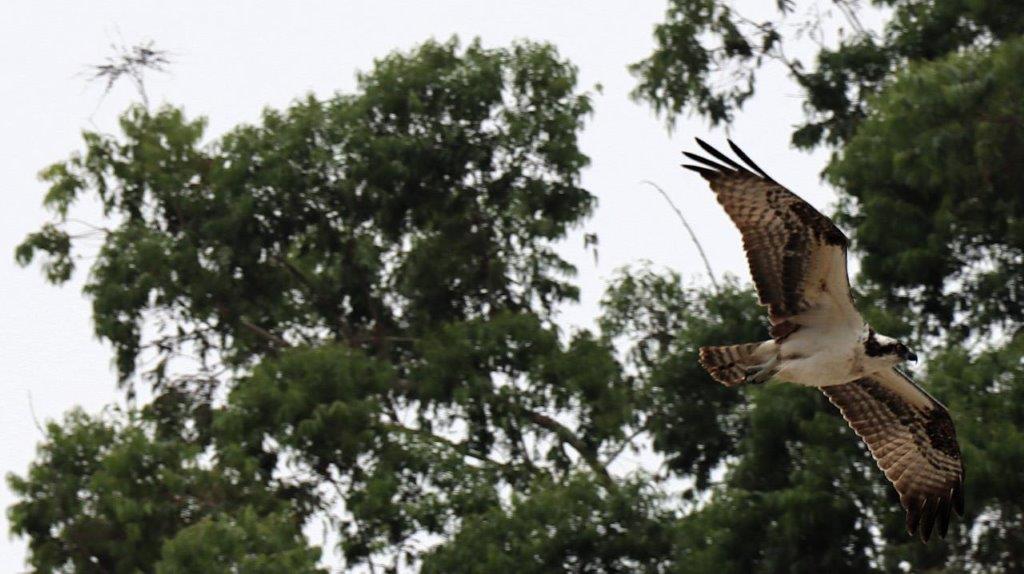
{"x": 113, "y": 493}
{"x": 366, "y": 284}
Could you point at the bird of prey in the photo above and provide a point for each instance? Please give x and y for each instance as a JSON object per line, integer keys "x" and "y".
{"x": 797, "y": 258}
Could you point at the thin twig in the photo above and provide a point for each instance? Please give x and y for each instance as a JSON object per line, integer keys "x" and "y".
{"x": 693, "y": 236}
{"x": 126, "y": 61}
{"x": 32, "y": 411}
{"x": 850, "y": 12}
{"x": 130, "y": 62}
{"x": 627, "y": 442}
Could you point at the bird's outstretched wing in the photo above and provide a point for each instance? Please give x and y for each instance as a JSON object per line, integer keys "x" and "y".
{"x": 797, "y": 256}
{"x": 911, "y": 436}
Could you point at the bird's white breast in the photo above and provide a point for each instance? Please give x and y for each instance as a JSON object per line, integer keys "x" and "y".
{"x": 819, "y": 357}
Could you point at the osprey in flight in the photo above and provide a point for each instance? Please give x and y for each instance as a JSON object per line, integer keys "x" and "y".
{"x": 797, "y": 258}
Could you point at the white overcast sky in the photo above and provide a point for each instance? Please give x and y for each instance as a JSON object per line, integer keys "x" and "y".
{"x": 233, "y": 58}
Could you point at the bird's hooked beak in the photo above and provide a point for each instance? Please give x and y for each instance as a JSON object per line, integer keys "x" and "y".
{"x": 906, "y": 354}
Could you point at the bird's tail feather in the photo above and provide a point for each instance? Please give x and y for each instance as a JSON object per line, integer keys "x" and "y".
{"x": 728, "y": 364}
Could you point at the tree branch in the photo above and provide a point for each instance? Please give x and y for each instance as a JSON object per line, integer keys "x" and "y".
{"x": 460, "y": 448}
{"x": 566, "y": 436}
{"x": 626, "y": 442}
{"x": 264, "y": 334}
{"x": 693, "y": 236}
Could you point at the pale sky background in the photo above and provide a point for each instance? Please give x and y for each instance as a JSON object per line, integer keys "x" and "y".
{"x": 233, "y": 58}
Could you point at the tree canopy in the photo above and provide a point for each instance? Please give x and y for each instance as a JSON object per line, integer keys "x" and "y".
{"x": 345, "y": 314}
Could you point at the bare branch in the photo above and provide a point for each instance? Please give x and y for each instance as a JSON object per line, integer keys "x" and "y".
{"x": 693, "y": 236}
{"x": 849, "y": 10}
{"x": 628, "y": 441}
{"x": 32, "y": 411}
{"x": 131, "y": 62}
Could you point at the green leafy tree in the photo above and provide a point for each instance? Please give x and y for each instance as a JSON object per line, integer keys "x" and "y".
{"x": 241, "y": 542}
{"x": 107, "y": 492}
{"x": 366, "y": 286}
{"x": 708, "y": 55}
{"x": 942, "y": 150}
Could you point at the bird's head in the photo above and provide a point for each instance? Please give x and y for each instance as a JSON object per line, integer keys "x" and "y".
{"x": 876, "y": 345}
{"x": 904, "y": 352}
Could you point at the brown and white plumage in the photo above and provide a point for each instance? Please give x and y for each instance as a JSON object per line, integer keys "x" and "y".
{"x": 797, "y": 259}
{"x": 911, "y": 436}
{"x": 797, "y": 256}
